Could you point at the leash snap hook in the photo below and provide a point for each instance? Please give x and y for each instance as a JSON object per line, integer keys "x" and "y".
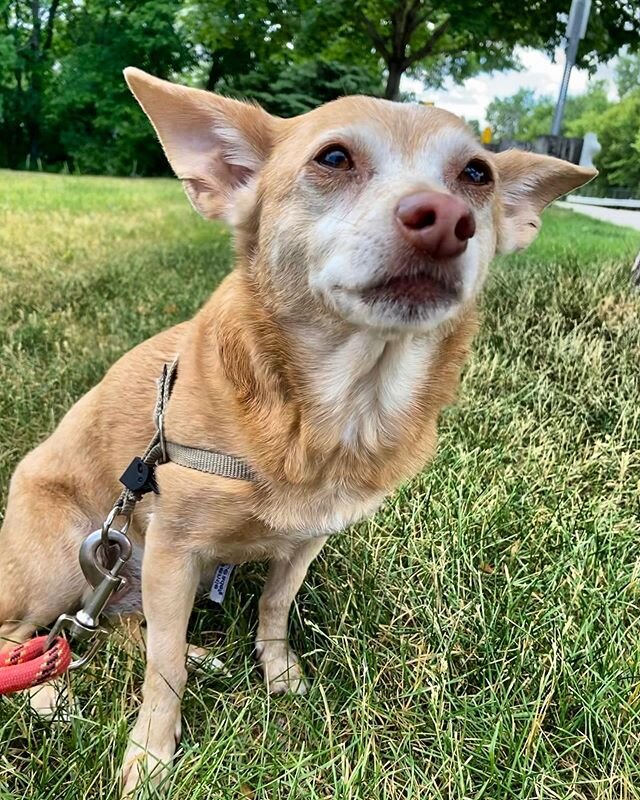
{"x": 85, "y": 623}
{"x": 91, "y": 563}
{"x": 107, "y": 530}
{"x": 76, "y": 631}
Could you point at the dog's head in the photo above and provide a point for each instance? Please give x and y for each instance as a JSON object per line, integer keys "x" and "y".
{"x": 382, "y": 214}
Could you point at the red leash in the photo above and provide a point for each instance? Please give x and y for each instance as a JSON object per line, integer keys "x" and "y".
{"x": 30, "y": 664}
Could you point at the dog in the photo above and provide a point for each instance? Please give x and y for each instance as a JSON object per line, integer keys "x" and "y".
{"x": 364, "y": 230}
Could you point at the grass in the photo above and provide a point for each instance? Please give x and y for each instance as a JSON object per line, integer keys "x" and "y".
{"x": 479, "y": 638}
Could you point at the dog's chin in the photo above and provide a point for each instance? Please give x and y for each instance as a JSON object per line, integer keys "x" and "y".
{"x": 397, "y": 307}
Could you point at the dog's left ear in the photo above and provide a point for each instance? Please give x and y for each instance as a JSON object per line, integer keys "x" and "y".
{"x": 528, "y": 184}
{"x": 214, "y": 144}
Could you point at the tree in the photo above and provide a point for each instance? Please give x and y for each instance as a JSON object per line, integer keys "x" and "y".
{"x": 515, "y": 117}
{"x": 524, "y": 116}
{"x": 435, "y": 38}
{"x": 26, "y": 39}
{"x": 592, "y": 103}
{"x": 618, "y": 131}
{"x": 474, "y": 124}
{"x": 63, "y": 100}
{"x": 99, "y": 128}
{"x": 263, "y": 50}
{"x": 628, "y": 73}
{"x": 237, "y": 38}
{"x": 291, "y": 89}
{"x": 62, "y": 94}
{"x": 617, "y": 125}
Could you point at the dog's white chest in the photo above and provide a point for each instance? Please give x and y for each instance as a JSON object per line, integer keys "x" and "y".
{"x": 366, "y": 386}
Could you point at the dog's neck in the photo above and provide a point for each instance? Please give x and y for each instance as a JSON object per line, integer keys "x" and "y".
{"x": 361, "y": 385}
{"x": 315, "y": 400}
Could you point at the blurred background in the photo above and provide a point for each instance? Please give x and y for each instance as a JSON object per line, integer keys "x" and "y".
{"x": 64, "y": 105}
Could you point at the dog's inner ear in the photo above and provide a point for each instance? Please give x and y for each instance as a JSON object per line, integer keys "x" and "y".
{"x": 528, "y": 184}
{"x": 215, "y": 145}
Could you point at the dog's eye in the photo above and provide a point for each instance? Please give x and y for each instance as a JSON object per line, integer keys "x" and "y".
{"x": 477, "y": 172}
{"x": 335, "y": 157}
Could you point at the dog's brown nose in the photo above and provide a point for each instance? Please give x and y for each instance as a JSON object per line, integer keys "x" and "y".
{"x": 437, "y": 224}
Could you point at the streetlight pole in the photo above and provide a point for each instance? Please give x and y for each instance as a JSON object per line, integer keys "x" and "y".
{"x": 576, "y": 29}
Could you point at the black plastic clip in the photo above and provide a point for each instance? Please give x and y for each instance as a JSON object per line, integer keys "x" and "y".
{"x": 139, "y": 477}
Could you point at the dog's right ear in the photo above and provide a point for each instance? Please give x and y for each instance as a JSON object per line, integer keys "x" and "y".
{"x": 529, "y": 182}
{"x": 215, "y": 145}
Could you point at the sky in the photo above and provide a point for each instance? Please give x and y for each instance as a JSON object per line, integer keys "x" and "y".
{"x": 470, "y": 99}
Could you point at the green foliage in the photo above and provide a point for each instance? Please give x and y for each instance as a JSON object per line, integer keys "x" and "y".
{"x": 64, "y": 100}
{"x": 474, "y": 124}
{"x": 594, "y": 101}
{"x": 524, "y": 115}
{"x": 100, "y": 129}
{"x": 628, "y": 73}
{"x": 618, "y": 131}
{"x": 521, "y": 116}
{"x": 432, "y": 39}
{"x": 238, "y": 38}
{"x": 295, "y": 88}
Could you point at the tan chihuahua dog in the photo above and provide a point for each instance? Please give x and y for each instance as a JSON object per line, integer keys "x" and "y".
{"x": 364, "y": 230}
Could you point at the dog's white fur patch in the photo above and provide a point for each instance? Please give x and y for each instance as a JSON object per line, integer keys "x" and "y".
{"x": 365, "y": 383}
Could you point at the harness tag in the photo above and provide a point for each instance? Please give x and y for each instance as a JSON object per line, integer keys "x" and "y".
{"x": 221, "y": 578}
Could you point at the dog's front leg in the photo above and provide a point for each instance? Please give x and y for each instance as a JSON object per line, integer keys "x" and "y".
{"x": 280, "y": 665}
{"x": 169, "y": 581}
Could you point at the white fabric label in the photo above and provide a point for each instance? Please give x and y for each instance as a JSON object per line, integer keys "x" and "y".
{"x": 221, "y": 578}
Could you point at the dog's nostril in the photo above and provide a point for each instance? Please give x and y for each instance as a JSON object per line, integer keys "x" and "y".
{"x": 424, "y": 220}
{"x": 465, "y": 227}
{"x": 415, "y": 214}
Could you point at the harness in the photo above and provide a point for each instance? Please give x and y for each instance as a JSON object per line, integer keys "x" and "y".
{"x": 104, "y": 553}
{"x": 139, "y": 476}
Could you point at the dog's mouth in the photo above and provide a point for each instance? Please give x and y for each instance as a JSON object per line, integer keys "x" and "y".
{"x": 414, "y": 289}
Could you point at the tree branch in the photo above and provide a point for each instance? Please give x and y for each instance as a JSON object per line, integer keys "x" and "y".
{"x": 48, "y": 36}
{"x": 427, "y": 48}
{"x": 376, "y": 37}
{"x": 414, "y": 6}
{"x": 34, "y": 40}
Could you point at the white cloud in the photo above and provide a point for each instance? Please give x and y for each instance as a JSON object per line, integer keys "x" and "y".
{"x": 540, "y": 73}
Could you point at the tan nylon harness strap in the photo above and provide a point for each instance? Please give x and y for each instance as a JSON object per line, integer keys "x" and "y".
{"x": 160, "y": 451}
{"x": 210, "y": 461}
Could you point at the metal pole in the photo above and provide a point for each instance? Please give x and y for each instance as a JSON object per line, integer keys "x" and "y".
{"x": 572, "y": 52}
{"x": 576, "y": 29}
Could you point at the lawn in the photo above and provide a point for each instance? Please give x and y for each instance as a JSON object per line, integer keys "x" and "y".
{"x": 479, "y": 638}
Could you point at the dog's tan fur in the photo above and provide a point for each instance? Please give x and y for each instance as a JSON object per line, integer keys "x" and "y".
{"x": 332, "y": 409}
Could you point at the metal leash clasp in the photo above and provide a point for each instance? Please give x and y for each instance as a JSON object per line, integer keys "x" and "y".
{"x": 105, "y": 582}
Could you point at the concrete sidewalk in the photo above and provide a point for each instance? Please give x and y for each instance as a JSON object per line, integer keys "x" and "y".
{"x": 618, "y": 216}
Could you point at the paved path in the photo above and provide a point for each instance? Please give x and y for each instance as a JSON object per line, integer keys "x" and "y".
{"x": 618, "y": 216}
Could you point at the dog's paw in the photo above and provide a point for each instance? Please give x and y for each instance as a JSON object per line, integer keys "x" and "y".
{"x": 143, "y": 769}
{"x": 282, "y": 671}
{"x": 147, "y": 767}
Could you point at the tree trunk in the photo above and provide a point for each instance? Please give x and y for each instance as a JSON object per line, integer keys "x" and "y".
{"x": 34, "y": 93}
{"x": 215, "y": 73}
{"x": 396, "y": 71}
